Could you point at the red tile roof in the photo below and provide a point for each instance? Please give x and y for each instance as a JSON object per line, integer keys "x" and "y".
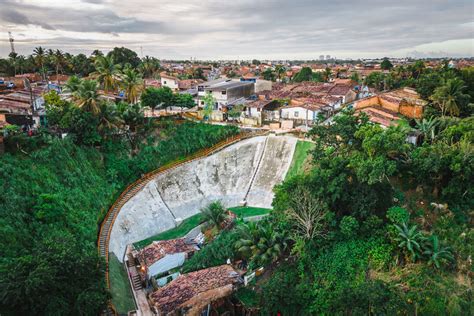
{"x": 195, "y": 289}
{"x": 159, "y": 249}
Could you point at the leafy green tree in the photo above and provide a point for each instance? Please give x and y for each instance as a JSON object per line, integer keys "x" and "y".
{"x": 157, "y": 97}
{"x": 355, "y": 77}
{"x": 281, "y": 293}
{"x": 236, "y": 111}
{"x": 409, "y": 240}
{"x": 214, "y": 213}
{"x": 81, "y": 65}
{"x": 268, "y": 74}
{"x": 305, "y": 74}
{"x": 209, "y": 104}
{"x": 123, "y": 56}
{"x": 184, "y": 100}
{"x": 427, "y": 83}
{"x": 214, "y": 253}
{"x": 386, "y": 64}
{"x": 349, "y": 226}
{"x": 131, "y": 114}
{"x": 398, "y": 215}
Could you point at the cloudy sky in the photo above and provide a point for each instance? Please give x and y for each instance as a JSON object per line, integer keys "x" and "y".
{"x": 243, "y": 29}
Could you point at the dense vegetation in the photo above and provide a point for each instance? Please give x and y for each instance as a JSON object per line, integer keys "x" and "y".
{"x": 377, "y": 226}
{"x": 54, "y": 193}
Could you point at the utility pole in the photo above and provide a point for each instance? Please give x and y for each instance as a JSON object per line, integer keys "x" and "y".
{"x": 11, "y": 39}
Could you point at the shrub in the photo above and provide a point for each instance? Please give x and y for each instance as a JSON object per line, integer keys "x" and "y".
{"x": 397, "y": 215}
{"x": 349, "y": 226}
{"x": 213, "y": 254}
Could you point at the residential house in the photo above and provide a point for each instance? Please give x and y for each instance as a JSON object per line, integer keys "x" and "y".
{"x": 301, "y": 114}
{"x": 19, "y": 106}
{"x": 161, "y": 256}
{"x": 197, "y": 293}
{"x": 260, "y": 84}
{"x": 261, "y": 111}
{"x": 169, "y": 81}
{"x": 229, "y": 91}
{"x": 404, "y": 101}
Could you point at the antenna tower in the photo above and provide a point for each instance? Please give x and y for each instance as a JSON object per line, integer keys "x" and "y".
{"x": 11, "y": 39}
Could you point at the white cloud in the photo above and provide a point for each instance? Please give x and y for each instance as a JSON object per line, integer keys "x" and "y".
{"x": 243, "y": 28}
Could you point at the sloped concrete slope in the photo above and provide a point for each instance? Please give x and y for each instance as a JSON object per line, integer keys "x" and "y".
{"x": 181, "y": 192}
{"x": 272, "y": 170}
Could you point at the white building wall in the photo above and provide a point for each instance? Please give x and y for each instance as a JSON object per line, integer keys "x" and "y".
{"x": 170, "y": 83}
{"x": 298, "y": 113}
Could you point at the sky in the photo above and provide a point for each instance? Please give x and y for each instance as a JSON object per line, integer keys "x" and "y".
{"x": 243, "y": 29}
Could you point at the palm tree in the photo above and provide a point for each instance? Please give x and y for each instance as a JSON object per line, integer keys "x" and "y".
{"x": 131, "y": 82}
{"x": 106, "y": 71}
{"x": 428, "y": 127}
{"x": 109, "y": 120}
{"x": 215, "y": 213}
{"x": 149, "y": 66}
{"x": 87, "y": 96}
{"x": 449, "y": 96}
{"x": 40, "y": 57}
{"x": 72, "y": 85}
{"x": 21, "y": 61}
{"x": 261, "y": 242}
{"x": 409, "y": 239}
{"x": 279, "y": 70}
{"x": 327, "y": 74}
{"x": 437, "y": 254}
{"x": 131, "y": 114}
{"x": 58, "y": 60}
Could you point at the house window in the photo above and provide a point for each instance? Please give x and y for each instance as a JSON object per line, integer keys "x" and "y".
{"x": 202, "y": 102}
{"x": 224, "y": 92}
{"x": 164, "y": 82}
{"x": 296, "y": 114}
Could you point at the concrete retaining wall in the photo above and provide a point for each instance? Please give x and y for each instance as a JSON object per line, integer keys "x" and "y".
{"x": 182, "y": 191}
